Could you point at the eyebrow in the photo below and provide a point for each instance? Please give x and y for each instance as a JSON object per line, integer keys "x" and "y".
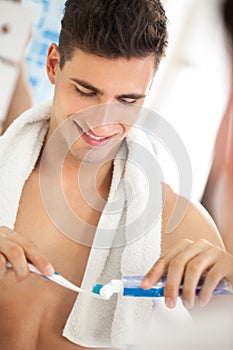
{"x": 87, "y": 85}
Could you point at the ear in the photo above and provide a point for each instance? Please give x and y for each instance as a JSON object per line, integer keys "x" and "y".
{"x": 52, "y": 63}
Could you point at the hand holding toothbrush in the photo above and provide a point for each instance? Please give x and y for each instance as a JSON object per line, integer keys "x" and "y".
{"x": 16, "y": 249}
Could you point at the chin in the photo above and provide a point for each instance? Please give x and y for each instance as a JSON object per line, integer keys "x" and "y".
{"x": 97, "y": 154}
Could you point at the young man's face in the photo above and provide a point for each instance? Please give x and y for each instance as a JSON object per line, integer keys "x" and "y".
{"x": 112, "y": 86}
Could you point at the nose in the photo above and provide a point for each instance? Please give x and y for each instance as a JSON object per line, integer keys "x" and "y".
{"x": 106, "y": 130}
{"x": 104, "y": 120}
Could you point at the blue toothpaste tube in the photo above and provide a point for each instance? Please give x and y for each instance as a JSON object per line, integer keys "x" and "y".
{"x": 130, "y": 286}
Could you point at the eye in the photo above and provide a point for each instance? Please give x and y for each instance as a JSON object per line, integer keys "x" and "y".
{"x": 127, "y": 101}
{"x": 84, "y": 93}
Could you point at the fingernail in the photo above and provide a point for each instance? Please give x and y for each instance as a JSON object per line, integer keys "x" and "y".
{"x": 187, "y": 304}
{"x": 49, "y": 270}
{"x": 145, "y": 283}
{"x": 170, "y": 303}
{"x": 202, "y": 303}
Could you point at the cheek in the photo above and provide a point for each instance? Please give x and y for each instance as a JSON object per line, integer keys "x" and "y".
{"x": 70, "y": 102}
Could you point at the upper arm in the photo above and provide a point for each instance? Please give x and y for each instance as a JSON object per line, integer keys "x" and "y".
{"x": 194, "y": 221}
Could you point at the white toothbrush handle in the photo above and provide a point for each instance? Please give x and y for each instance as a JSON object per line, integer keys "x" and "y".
{"x": 57, "y": 278}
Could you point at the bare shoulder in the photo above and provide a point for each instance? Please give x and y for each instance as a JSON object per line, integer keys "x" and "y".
{"x": 184, "y": 219}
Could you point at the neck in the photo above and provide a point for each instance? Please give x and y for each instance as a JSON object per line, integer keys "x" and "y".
{"x": 91, "y": 176}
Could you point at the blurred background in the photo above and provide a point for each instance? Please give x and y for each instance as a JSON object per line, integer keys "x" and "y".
{"x": 191, "y": 89}
{"x": 193, "y": 83}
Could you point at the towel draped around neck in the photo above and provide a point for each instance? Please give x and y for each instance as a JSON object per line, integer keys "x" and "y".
{"x": 134, "y": 230}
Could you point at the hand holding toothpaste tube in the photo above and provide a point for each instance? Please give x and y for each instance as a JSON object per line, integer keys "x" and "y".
{"x": 187, "y": 261}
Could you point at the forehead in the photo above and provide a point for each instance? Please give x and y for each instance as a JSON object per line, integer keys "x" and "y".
{"x": 100, "y": 71}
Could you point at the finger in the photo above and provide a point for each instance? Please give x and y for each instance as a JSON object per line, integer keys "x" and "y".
{"x": 194, "y": 270}
{"x": 213, "y": 276}
{"x": 38, "y": 259}
{"x": 2, "y": 266}
{"x": 15, "y": 255}
{"x": 173, "y": 282}
{"x": 4, "y": 231}
{"x": 31, "y": 251}
{"x": 35, "y": 256}
{"x": 177, "y": 267}
{"x": 13, "y": 252}
{"x": 160, "y": 267}
{"x": 211, "y": 281}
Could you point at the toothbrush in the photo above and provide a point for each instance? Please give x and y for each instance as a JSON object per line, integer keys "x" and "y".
{"x": 130, "y": 286}
{"x": 62, "y": 281}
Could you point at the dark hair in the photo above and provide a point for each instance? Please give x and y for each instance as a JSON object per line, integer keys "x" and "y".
{"x": 228, "y": 18}
{"x": 113, "y": 29}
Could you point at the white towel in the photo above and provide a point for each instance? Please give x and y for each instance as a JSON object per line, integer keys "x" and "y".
{"x": 19, "y": 150}
{"x": 113, "y": 323}
{"x": 133, "y": 234}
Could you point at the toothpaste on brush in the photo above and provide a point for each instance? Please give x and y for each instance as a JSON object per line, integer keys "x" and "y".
{"x": 130, "y": 286}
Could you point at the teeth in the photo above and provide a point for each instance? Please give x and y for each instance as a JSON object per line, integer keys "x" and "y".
{"x": 97, "y": 138}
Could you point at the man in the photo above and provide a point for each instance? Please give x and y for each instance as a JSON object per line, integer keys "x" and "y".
{"x": 108, "y": 53}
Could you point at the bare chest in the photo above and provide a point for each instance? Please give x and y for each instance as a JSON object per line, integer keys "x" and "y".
{"x": 33, "y": 314}
{"x": 35, "y": 223}
{"x": 36, "y": 309}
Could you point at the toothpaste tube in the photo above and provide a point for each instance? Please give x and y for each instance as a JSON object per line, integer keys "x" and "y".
{"x": 130, "y": 286}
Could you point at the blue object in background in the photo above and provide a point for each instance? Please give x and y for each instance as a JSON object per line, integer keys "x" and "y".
{"x": 46, "y": 28}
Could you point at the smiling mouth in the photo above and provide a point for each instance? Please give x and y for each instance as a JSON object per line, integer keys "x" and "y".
{"x": 97, "y": 138}
{"x": 93, "y": 140}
